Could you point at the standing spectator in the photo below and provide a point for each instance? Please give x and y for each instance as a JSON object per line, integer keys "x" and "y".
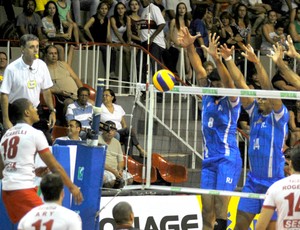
{"x": 65, "y": 80}
{"x": 97, "y": 29}
{"x": 121, "y": 32}
{"x": 81, "y": 109}
{"x": 222, "y": 162}
{"x": 114, "y": 173}
{"x": 3, "y": 64}
{"x": 180, "y": 21}
{"x": 171, "y": 8}
{"x": 30, "y": 22}
{"x": 51, "y": 213}
{"x": 123, "y": 216}
{"x": 26, "y": 77}
{"x": 155, "y": 32}
{"x": 268, "y": 127}
{"x": 289, "y": 7}
{"x": 114, "y": 112}
{"x": 19, "y": 145}
{"x": 198, "y": 27}
{"x": 268, "y": 30}
{"x": 134, "y": 21}
{"x": 74, "y": 128}
{"x": 283, "y": 196}
{"x": 87, "y": 5}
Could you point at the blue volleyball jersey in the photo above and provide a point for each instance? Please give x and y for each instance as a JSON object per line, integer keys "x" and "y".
{"x": 219, "y": 123}
{"x": 267, "y": 137}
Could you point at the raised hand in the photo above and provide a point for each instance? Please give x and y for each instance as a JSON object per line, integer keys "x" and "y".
{"x": 212, "y": 49}
{"x": 225, "y": 51}
{"x": 185, "y": 39}
{"x": 278, "y": 53}
{"x": 249, "y": 54}
{"x": 291, "y": 52}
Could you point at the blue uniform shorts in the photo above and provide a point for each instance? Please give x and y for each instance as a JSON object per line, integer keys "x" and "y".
{"x": 222, "y": 173}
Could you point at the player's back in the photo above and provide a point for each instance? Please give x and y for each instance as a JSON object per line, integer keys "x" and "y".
{"x": 50, "y": 216}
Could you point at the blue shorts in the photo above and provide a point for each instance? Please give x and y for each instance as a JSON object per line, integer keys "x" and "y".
{"x": 250, "y": 205}
{"x": 222, "y": 173}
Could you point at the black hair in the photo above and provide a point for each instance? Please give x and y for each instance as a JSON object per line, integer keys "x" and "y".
{"x": 112, "y": 93}
{"x": 78, "y": 123}
{"x": 25, "y": 3}
{"x": 200, "y": 11}
{"x": 236, "y": 14}
{"x": 295, "y": 158}
{"x": 1, "y": 52}
{"x": 116, "y": 15}
{"x": 56, "y": 20}
{"x": 51, "y": 187}
{"x": 81, "y": 89}
{"x": 214, "y": 75}
{"x": 186, "y": 19}
{"x": 121, "y": 212}
{"x": 279, "y": 24}
{"x": 19, "y": 106}
{"x": 49, "y": 47}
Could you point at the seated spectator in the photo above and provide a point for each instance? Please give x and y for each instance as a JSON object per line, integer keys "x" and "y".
{"x": 65, "y": 80}
{"x": 81, "y": 110}
{"x": 86, "y": 5}
{"x": 277, "y": 36}
{"x": 3, "y": 64}
{"x": 253, "y": 80}
{"x": 227, "y": 32}
{"x": 294, "y": 30}
{"x": 113, "y": 112}
{"x": 209, "y": 66}
{"x": 134, "y": 16}
{"x": 268, "y": 29}
{"x": 121, "y": 32}
{"x": 74, "y": 128}
{"x": 294, "y": 123}
{"x": 52, "y": 188}
{"x": 29, "y": 22}
{"x": 64, "y": 11}
{"x": 97, "y": 29}
{"x": 114, "y": 174}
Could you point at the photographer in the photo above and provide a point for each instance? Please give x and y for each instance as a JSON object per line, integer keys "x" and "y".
{"x": 114, "y": 175}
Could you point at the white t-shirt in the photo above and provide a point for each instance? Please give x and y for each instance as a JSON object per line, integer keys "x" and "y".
{"x": 284, "y": 196}
{"x": 52, "y": 215}
{"x": 172, "y": 4}
{"x": 116, "y": 116}
{"x": 156, "y": 18}
{"x": 18, "y": 148}
{"x": 22, "y": 81}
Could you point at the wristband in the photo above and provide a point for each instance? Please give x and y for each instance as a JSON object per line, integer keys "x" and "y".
{"x": 228, "y": 59}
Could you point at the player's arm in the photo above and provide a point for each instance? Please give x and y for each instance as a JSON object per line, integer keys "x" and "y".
{"x": 264, "y": 218}
{"x": 54, "y": 166}
{"x": 262, "y": 75}
{"x": 49, "y": 102}
{"x": 186, "y": 40}
{"x": 5, "y": 116}
{"x": 1, "y": 167}
{"x": 212, "y": 50}
{"x": 235, "y": 73}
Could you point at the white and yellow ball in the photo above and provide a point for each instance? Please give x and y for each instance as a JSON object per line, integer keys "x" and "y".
{"x": 164, "y": 80}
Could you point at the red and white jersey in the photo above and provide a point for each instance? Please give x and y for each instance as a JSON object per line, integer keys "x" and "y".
{"x": 50, "y": 216}
{"x": 18, "y": 148}
{"x": 284, "y": 196}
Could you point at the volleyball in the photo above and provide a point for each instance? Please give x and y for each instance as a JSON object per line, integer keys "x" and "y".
{"x": 164, "y": 80}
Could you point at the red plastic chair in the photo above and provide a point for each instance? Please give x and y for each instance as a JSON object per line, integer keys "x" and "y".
{"x": 58, "y": 131}
{"x": 168, "y": 171}
{"x": 136, "y": 169}
{"x": 43, "y": 102}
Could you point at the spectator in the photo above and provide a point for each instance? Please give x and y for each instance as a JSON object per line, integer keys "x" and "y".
{"x": 98, "y": 28}
{"x": 65, "y": 80}
{"x": 180, "y": 21}
{"x": 268, "y": 126}
{"x": 227, "y": 32}
{"x": 156, "y": 35}
{"x": 134, "y": 21}
{"x": 294, "y": 30}
{"x": 121, "y": 32}
{"x": 171, "y": 8}
{"x": 3, "y": 64}
{"x": 19, "y": 192}
{"x": 113, "y": 112}
{"x": 30, "y": 22}
{"x": 51, "y": 212}
{"x": 64, "y": 12}
{"x": 209, "y": 66}
{"x": 26, "y": 77}
{"x": 198, "y": 27}
{"x": 81, "y": 110}
{"x": 87, "y": 5}
{"x": 294, "y": 123}
{"x": 74, "y": 128}
{"x": 268, "y": 29}
{"x": 283, "y": 196}
{"x": 114, "y": 173}
{"x": 123, "y": 216}
{"x": 289, "y": 7}
{"x": 9, "y": 10}
{"x": 253, "y": 80}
